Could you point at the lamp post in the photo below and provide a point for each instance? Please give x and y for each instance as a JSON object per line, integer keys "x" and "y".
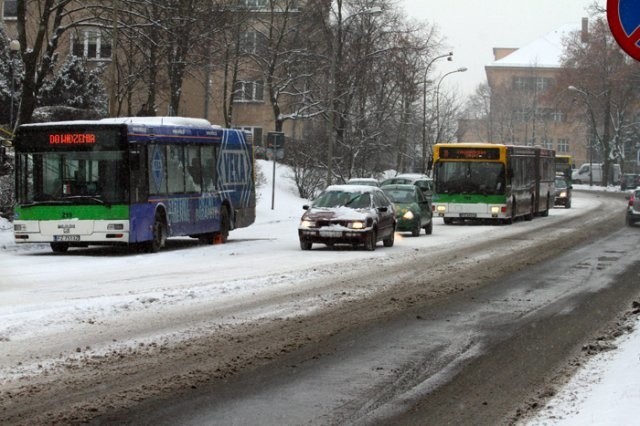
{"x": 449, "y": 57}
{"x": 14, "y": 47}
{"x": 461, "y": 69}
{"x": 335, "y": 62}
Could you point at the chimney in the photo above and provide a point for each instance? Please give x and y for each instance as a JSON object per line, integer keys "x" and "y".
{"x": 584, "y": 32}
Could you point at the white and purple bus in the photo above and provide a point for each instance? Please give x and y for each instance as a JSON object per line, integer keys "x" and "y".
{"x": 132, "y": 181}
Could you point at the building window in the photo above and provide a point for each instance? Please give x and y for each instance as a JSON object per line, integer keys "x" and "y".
{"x": 253, "y": 42}
{"x": 542, "y": 84}
{"x": 547, "y": 143}
{"x": 254, "y": 4}
{"x": 247, "y": 91}
{"x": 563, "y": 145}
{"x": 10, "y": 9}
{"x": 256, "y": 133}
{"x": 520, "y": 83}
{"x": 558, "y": 116}
{"x": 521, "y": 115}
{"x": 91, "y": 44}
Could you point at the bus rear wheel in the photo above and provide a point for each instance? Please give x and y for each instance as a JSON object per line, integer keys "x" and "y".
{"x": 225, "y": 225}
{"x": 59, "y": 247}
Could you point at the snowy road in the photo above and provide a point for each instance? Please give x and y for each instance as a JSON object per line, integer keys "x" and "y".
{"x": 109, "y": 316}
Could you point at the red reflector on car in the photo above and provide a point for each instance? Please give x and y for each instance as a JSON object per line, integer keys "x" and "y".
{"x": 503, "y": 209}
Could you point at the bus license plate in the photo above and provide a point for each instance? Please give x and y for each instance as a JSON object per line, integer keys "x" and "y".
{"x": 471, "y": 215}
{"x": 66, "y": 238}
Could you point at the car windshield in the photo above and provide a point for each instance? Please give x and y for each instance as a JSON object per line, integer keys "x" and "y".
{"x": 332, "y": 199}
{"x": 561, "y": 183}
{"x": 401, "y": 195}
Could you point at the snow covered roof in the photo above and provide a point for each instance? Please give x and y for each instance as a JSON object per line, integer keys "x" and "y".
{"x": 544, "y": 52}
{"x": 176, "y": 121}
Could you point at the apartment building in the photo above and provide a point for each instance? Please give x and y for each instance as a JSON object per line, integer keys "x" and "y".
{"x": 525, "y": 107}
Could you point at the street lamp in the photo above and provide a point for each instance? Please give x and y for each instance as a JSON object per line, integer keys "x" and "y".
{"x": 14, "y": 47}
{"x": 449, "y": 57}
{"x": 335, "y": 60}
{"x": 461, "y": 69}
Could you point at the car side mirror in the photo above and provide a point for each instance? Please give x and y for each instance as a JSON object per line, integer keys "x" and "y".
{"x": 382, "y": 209}
{"x": 305, "y": 207}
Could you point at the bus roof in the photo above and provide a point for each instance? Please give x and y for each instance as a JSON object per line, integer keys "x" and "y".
{"x": 147, "y": 121}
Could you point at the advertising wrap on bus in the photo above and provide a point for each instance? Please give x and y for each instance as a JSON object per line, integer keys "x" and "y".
{"x": 134, "y": 181}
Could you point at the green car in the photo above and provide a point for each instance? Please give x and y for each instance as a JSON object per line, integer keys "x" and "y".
{"x": 413, "y": 210}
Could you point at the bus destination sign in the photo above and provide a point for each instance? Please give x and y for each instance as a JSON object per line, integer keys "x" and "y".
{"x": 72, "y": 138}
{"x": 470, "y": 153}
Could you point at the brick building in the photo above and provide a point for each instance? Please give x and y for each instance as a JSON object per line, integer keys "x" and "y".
{"x": 525, "y": 106}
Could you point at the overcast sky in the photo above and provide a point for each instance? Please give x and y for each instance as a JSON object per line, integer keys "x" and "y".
{"x": 473, "y": 28}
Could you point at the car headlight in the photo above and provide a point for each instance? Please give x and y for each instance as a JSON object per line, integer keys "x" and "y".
{"x": 563, "y": 194}
{"x": 408, "y": 215}
{"x": 357, "y": 225}
{"x": 307, "y": 224}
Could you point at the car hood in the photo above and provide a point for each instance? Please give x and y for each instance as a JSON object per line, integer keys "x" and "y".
{"x": 337, "y": 213}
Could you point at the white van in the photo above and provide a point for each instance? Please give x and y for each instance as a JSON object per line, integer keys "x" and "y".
{"x": 581, "y": 175}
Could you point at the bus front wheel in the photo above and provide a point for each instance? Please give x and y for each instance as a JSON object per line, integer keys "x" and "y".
{"x": 159, "y": 234}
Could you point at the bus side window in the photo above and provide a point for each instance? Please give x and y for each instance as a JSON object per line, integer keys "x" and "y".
{"x": 193, "y": 174}
{"x": 176, "y": 170}
{"x": 208, "y": 168}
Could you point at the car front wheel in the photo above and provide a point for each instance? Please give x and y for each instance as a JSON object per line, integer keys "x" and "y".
{"x": 305, "y": 244}
{"x": 370, "y": 243}
{"x": 388, "y": 242}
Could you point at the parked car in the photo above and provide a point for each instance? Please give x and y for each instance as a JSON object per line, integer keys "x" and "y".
{"x": 363, "y": 181}
{"x": 348, "y": 214}
{"x": 563, "y": 192}
{"x": 413, "y": 211}
{"x": 633, "y": 208}
{"x": 424, "y": 182}
{"x": 629, "y": 181}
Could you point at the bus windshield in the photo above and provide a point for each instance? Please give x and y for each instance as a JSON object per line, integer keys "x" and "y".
{"x": 468, "y": 177}
{"x": 79, "y": 177}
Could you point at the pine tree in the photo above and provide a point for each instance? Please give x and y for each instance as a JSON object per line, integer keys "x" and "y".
{"x": 75, "y": 85}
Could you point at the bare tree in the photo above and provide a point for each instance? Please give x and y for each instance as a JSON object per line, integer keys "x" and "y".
{"x": 38, "y": 50}
{"x": 604, "y": 82}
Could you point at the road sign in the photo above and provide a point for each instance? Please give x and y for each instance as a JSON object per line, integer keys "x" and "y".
{"x": 275, "y": 140}
{"x": 624, "y": 21}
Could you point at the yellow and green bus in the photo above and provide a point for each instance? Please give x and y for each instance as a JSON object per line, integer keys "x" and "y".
{"x": 499, "y": 183}
{"x": 564, "y": 166}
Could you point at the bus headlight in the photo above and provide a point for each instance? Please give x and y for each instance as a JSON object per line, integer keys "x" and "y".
{"x": 115, "y": 227}
{"x": 495, "y": 210}
{"x": 19, "y": 227}
{"x": 441, "y": 209}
